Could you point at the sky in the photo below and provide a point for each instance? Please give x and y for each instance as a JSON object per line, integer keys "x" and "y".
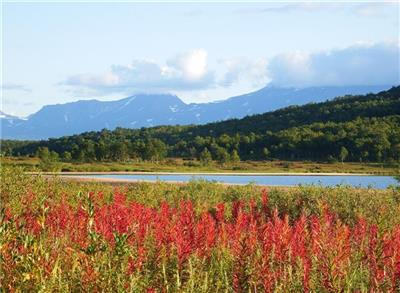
{"x": 63, "y": 52}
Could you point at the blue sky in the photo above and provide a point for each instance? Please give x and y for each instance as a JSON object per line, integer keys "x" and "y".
{"x": 61, "y": 52}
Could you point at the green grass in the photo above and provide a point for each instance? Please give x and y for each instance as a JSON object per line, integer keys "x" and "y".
{"x": 179, "y": 165}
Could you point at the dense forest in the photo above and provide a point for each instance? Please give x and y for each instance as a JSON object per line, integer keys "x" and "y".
{"x": 350, "y": 128}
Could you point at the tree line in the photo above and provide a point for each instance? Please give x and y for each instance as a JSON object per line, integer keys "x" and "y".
{"x": 352, "y": 128}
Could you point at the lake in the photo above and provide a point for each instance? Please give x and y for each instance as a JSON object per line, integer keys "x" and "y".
{"x": 380, "y": 182}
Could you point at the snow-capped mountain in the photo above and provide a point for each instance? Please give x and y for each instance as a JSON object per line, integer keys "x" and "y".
{"x": 8, "y": 117}
{"x": 8, "y": 122}
{"x": 147, "y": 110}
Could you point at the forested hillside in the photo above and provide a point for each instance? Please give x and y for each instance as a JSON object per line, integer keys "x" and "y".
{"x": 350, "y": 128}
{"x": 149, "y": 110}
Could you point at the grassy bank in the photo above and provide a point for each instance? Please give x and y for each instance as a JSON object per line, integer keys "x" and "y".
{"x": 179, "y": 165}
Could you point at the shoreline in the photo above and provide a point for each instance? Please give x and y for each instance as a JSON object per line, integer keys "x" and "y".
{"x": 205, "y": 173}
{"x": 128, "y": 181}
{"x": 85, "y": 177}
{"x": 119, "y": 181}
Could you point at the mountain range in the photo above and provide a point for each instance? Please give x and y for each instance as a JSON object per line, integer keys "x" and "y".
{"x": 146, "y": 110}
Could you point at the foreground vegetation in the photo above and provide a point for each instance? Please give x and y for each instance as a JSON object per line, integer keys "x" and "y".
{"x": 349, "y": 129}
{"x": 196, "y": 237}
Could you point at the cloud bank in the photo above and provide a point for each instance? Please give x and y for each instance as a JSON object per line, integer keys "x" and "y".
{"x": 241, "y": 69}
{"x": 376, "y": 64}
{"x": 357, "y": 65}
{"x": 188, "y": 71}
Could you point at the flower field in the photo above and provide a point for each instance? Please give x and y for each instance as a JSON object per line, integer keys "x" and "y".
{"x": 199, "y": 237}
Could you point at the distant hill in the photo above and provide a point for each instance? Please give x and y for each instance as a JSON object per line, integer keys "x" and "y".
{"x": 8, "y": 123}
{"x": 354, "y": 128}
{"x": 151, "y": 110}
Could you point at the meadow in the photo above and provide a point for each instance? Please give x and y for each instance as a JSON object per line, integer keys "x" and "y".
{"x": 195, "y": 237}
{"x": 191, "y": 165}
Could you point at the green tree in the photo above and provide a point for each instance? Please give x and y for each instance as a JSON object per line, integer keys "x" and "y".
{"x": 119, "y": 151}
{"x": 234, "y": 156}
{"x": 343, "y": 154}
{"x": 266, "y": 153}
{"x": 102, "y": 150}
{"x": 222, "y": 155}
{"x": 54, "y": 157}
{"x": 48, "y": 159}
{"x": 155, "y": 150}
{"x": 44, "y": 154}
{"x": 66, "y": 156}
{"x": 205, "y": 157}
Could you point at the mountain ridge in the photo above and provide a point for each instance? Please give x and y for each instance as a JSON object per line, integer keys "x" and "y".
{"x": 355, "y": 128}
{"x": 147, "y": 110}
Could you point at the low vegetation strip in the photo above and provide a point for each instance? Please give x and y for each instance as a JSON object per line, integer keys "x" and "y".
{"x": 175, "y": 165}
{"x": 196, "y": 237}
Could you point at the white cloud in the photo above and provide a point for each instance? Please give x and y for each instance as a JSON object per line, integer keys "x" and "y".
{"x": 367, "y": 9}
{"x": 15, "y": 87}
{"x": 357, "y": 65}
{"x": 376, "y": 9}
{"x": 301, "y": 6}
{"x": 193, "y": 65}
{"x": 239, "y": 69}
{"x": 107, "y": 79}
{"x": 188, "y": 71}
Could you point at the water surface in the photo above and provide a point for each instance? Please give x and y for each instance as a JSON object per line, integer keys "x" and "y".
{"x": 380, "y": 182}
